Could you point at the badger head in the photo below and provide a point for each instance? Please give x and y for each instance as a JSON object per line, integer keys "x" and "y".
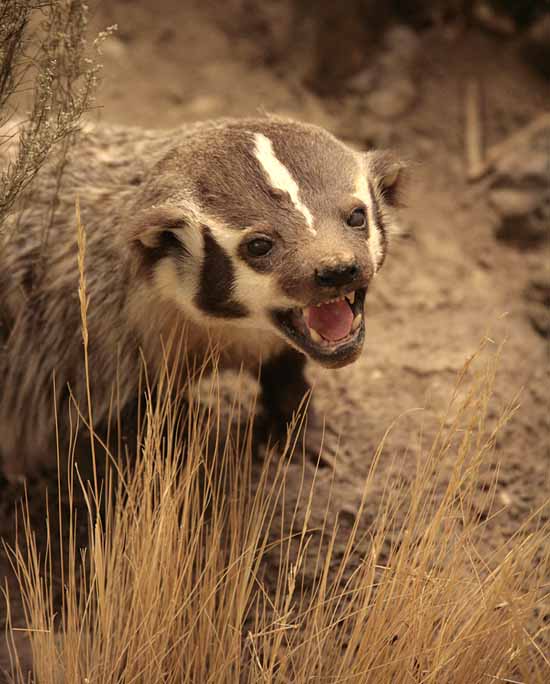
{"x": 269, "y": 224}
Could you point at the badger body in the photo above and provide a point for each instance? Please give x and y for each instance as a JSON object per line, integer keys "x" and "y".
{"x": 257, "y": 236}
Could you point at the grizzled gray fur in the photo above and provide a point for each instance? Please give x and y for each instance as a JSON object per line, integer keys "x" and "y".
{"x": 257, "y": 236}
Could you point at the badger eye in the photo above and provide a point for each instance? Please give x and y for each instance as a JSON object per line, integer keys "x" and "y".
{"x": 259, "y": 247}
{"x": 357, "y": 218}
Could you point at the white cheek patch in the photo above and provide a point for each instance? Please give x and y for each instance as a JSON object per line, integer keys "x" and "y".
{"x": 280, "y": 177}
{"x": 181, "y": 284}
{"x": 172, "y": 286}
{"x": 362, "y": 192}
{"x": 259, "y": 292}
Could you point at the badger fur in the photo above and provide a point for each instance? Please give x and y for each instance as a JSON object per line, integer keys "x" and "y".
{"x": 260, "y": 235}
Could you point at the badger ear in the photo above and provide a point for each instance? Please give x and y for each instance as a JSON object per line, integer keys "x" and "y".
{"x": 150, "y": 227}
{"x": 388, "y": 172}
{"x": 158, "y": 233}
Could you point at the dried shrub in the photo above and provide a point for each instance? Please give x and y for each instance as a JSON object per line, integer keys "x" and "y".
{"x": 45, "y": 70}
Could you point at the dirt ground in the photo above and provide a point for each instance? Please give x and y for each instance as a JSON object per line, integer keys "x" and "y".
{"x": 457, "y": 277}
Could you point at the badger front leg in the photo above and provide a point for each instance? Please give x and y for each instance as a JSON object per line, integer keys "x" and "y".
{"x": 286, "y": 394}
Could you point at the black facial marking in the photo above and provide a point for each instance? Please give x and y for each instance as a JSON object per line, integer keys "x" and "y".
{"x": 217, "y": 281}
{"x": 167, "y": 245}
{"x": 380, "y": 225}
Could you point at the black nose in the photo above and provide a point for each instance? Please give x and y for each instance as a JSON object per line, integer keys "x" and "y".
{"x": 336, "y": 276}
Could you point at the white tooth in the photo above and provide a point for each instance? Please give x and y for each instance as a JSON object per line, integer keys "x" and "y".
{"x": 356, "y": 322}
{"x": 351, "y": 297}
{"x": 315, "y": 336}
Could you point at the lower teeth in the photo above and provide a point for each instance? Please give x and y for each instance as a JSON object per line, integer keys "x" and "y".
{"x": 356, "y": 322}
{"x": 315, "y": 336}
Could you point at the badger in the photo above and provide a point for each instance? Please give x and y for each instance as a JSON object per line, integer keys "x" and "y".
{"x": 258, "y": 235}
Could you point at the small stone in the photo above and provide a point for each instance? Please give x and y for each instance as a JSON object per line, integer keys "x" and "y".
{"x": 513, "y": 203}
{"x": 205, "y": 106}
{"x": 375, "y": 133}
{"x": 425, "y": 146}
{"x": 520, "y": 192}
{"x": 403, "y": 41}
{"x": 525, "y": 230}
{"x": 393, "y": 100}
{"x": 536, "y": 45}
{"x": 114, "y": 48}
{"x": 174, "y": 96}
{"x": 537, "y": 296}
{"x": 363, "y": 81}
{"x": 525, "y": 167}
{"x": 492, "y": 20}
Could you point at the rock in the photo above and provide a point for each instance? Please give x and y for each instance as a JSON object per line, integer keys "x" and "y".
{"x": 363, "y": 81}
{"x": 114, "y": 49}
{"x": 520, "y": 192}
{"x": 524, "y": 167}
{"x": 402, "y": 41}
{"x": 492, "y": 20}
{"x": 524, "y": 216}
{"x": 536, "y": 45}
{"x": 204, "y": 106}
{"x": 524, "y": 232}
{"x": 509, "y": 202}
{"x": 394, "y": 92}
{"x": 394, "y": 99}
{"x": 372, "y": 132}
{"x": 537, "y": 295}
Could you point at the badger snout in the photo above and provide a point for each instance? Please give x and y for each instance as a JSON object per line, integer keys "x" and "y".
{"x": 329, "y": 327}
{"x": 337, "y": 274}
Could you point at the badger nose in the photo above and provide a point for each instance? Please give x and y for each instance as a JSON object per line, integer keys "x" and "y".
{"x": 336, "y": 275}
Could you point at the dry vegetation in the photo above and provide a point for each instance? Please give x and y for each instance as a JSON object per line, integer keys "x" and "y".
{"x": 171, "y": 587}
{"x": 45, "y": 69}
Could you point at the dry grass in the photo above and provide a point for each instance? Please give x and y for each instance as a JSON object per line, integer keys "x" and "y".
{"x": 173, "y": 585}
{"x": 171, "y": 588}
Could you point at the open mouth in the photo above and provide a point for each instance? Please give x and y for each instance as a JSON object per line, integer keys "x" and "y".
{"x": 331, "y": 332}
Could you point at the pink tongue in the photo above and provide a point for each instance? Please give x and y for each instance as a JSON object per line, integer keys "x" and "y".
{"x": 332, "y": 321}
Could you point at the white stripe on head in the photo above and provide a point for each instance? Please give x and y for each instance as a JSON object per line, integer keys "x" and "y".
{"x": 280, "y": 177}
{"x": 363, "y": 193}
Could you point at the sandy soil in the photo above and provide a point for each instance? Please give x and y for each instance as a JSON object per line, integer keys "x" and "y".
{"x": 447, "y": 286}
